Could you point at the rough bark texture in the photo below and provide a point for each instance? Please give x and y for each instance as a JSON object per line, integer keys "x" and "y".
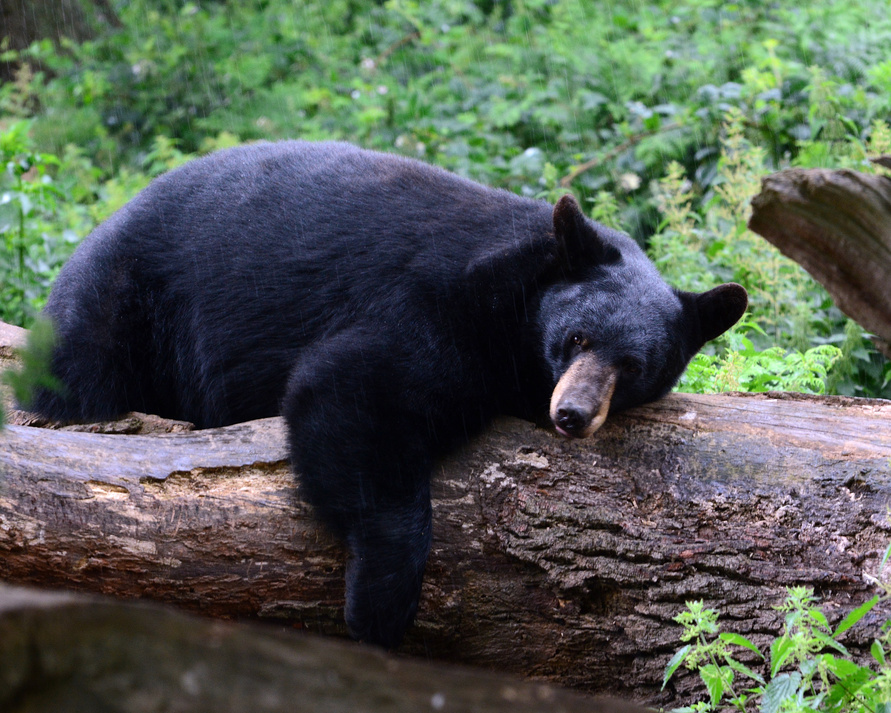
{"x": 837, "y": 225}
{"x": 66, "y": 653}
{"x": 559, "y": 560}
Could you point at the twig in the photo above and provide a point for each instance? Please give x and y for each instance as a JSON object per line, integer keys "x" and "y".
{"x": 383, "y": 56}
{"x": 612, "y": 153}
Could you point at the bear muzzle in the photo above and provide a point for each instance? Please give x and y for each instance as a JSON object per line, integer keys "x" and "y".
{"x": 580, "y": 401}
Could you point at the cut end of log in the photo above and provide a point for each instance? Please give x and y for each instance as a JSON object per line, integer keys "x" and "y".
{"x": 837, "y": 225}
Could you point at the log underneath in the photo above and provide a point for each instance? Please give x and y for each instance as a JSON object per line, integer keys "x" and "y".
{"x": 837, "y": 225}
{"x": 560, "y": 560}
{"x": 67, "y": 653}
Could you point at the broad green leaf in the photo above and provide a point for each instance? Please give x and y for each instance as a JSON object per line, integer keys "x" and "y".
{"x": 780, "y": 650}
{"x": 843, "y": 668}
{"x": 820, "y": 618}
{"x": 781, "y": 688}
{"x": 732, "y": 638}
{"x": 808, "y": 667}
{"x": 856, "y": 616}
{"x": 715, "y": 678}
{"x": 676, "y": 661}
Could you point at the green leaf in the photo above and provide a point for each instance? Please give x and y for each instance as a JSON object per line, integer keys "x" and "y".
{"x": 715, "y": 678}
{"x": 780, "y": 650}
{"x": 808, "y": 667}
{"x": 676, "y": 661}
{"x": 843, "y": 668}
{"x": 878, "y": 652}
{"x": 745, "y": 671}
{"x": 780, "y": 689}
{"x": 738, "y": 640}
{"x": 856, "y": 616}
{"x": 652, "y": 122}
{"x": 820, "y": 618}
{"x": 831, "y": 643}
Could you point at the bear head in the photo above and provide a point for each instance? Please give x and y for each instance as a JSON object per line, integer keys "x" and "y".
{"x": 614, "y": 334}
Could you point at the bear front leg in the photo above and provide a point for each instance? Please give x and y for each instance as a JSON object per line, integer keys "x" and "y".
{"x": 362, "y": 454}
{"x": 388, "y": 554}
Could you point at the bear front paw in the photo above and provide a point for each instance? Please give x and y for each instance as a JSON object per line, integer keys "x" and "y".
{"x": 381, "y": 604}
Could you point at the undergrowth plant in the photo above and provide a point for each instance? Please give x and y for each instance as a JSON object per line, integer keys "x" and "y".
{"x": 48, "y": 203}
{"x": 28, "y": 200}
{"x": 806, "y": 669}
{"x": 793, "y": 337}
{"x": 739, "y": 366}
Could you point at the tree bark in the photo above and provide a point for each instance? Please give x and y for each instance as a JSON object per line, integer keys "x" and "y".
{"x": 23, "y": 22}
{"x": 77, "y": 653}
{"x": 837, "y": 225}
{"x": 559, "y": 560}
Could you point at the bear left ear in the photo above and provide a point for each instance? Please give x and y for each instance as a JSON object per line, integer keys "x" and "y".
{"x": 719, "y": 308}
{"x": 578, "y": 241}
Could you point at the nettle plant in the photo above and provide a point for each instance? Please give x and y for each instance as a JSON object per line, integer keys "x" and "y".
{"x": 805, "y": 669}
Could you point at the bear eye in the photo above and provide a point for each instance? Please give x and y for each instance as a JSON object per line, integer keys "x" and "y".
{"x": 578, "y": 341}
{"x": 631, "y": 367}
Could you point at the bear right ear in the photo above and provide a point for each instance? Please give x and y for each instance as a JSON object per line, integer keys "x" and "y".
{"x": 720, "y": 308}
{"x": 578, "y": 243}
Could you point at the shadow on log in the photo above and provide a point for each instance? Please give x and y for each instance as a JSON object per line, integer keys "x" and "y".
{"x": 67, "y": 653}
{"x": 837, "y": 225}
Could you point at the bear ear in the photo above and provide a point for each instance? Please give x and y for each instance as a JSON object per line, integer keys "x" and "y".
{"x": 578, "y": 241}
{"x": 719, "y": 308}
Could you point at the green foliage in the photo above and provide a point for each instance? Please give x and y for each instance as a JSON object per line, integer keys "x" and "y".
{"x": 806, "y": 668}
{"x": 47, "y": 204}
{"x": 35, "y": 371}
{"x": 472, "y": 85}
{"x": 672, "y": 105}
{"x": 741, "y": 367}
{"x": 793, "y": 338}
{"x": 28, "y": 205}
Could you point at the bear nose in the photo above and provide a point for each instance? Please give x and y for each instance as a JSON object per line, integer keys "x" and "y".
{"x": 571, "y": 420}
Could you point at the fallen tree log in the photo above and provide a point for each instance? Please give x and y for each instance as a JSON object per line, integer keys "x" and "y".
{"x": 837, "y": 225}
{"x": 86, "y": 653}
{"x": 560, "y": 560}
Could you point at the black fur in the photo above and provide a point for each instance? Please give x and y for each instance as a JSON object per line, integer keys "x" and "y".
{"x": 388, "y": 309}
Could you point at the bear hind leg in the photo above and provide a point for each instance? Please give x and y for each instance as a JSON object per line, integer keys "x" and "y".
{"x": 96, "y": 382}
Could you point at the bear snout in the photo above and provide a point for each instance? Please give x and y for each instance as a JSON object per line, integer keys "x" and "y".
{"x": 581, "y": 399}
{"x": 571, "y": 420}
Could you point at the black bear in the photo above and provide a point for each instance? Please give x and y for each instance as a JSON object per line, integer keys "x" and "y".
{"x": 387, "y": 308}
